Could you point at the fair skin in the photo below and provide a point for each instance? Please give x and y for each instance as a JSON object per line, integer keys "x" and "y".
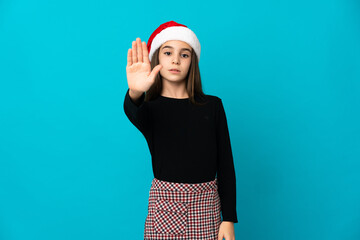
{"x": 174, "y": 54}
{"x": 140, "y": 78}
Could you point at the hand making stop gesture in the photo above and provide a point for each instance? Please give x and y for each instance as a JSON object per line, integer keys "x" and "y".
{"x": 138, "y": 68}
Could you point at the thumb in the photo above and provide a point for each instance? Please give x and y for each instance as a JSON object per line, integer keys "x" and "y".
{"x": 155, "y": 71}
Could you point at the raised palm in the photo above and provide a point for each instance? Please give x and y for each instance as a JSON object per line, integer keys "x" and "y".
{"x": 138, "y": 68}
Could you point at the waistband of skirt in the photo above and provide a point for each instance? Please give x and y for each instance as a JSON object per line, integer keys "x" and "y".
{"x": 186, "y": 187}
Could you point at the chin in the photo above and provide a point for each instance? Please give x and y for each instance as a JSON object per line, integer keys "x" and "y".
{"x": 174, "y": 78}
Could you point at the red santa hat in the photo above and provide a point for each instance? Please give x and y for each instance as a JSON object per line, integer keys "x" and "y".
{"x": 172, "y": 31}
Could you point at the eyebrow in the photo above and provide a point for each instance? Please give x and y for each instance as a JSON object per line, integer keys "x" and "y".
{"x": 172, "y": 47}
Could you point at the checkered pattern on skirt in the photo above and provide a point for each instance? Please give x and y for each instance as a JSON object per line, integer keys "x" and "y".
{"x": 183, "y": 211}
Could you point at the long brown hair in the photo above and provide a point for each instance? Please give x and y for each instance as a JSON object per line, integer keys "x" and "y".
{"x": 193, "y": 80}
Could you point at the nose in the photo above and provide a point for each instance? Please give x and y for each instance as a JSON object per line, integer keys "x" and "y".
{"x": 175, "y": 60}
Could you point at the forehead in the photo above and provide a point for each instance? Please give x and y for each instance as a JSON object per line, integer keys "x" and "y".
{"x": 176, "y": 44}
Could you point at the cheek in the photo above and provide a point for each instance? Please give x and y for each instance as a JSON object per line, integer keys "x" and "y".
{"x": 188, "y": 65}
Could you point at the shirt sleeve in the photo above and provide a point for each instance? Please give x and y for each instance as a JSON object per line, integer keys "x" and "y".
{"x": 225, "y": 167}
{"x": 137, "y": 112}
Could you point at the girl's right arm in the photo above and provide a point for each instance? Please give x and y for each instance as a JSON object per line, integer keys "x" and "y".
{"x": 140, "y": 78}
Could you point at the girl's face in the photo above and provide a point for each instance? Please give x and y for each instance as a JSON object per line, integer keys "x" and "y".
{"x": 174, "y": 54}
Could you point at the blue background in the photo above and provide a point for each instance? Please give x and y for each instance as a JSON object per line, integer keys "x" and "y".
{"x": 72, "y": 166}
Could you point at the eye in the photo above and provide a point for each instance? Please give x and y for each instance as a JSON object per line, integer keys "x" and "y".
{"x": 182, "y": 54}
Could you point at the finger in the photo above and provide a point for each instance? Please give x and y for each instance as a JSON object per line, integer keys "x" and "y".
{"x": 139, "y": 50}
{"x": 134, "y": 56}
{"x": 220, "y": 237}
{"x": 155, "y": 71}
{"x": 145, "y": 53}
{"x": 129, "y": 60}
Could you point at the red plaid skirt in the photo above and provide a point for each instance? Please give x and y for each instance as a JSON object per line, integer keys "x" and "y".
{"x": 183, "y": 211}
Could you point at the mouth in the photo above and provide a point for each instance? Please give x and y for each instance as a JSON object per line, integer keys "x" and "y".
{"x": 174, "y": 70}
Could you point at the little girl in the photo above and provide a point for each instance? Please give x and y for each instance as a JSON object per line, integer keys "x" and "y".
{"x": 187, "y": 134}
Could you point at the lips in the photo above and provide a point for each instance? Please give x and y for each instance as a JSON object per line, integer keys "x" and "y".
{"x": 174, "y": 70}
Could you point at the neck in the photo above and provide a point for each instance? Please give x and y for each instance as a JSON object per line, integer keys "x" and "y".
{"x": 174, "y": 89}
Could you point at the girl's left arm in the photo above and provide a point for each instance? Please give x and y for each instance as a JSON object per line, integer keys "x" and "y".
{"x": 226, "y": 171}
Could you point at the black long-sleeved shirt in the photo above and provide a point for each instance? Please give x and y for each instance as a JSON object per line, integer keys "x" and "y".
{"x": 188, "y": 143}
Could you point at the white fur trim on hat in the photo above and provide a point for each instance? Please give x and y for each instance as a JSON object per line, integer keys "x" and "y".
{"x": 176, "y": 33}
